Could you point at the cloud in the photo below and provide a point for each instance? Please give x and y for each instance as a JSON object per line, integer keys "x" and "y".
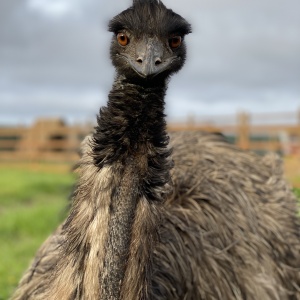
{"x": 54, "y": 8}
{"x": 241, "y": 55}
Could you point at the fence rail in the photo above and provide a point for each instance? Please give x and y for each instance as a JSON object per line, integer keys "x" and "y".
{"x": 53, "y": 140}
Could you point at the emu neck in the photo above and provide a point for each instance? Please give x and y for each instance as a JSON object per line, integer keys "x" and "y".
{"x": 132, "y": 122}
{"x": 131, "y": 139}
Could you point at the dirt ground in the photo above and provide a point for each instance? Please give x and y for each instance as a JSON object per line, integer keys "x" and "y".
{"x": 55, "y": 168}
{"x": 291, "y": 168}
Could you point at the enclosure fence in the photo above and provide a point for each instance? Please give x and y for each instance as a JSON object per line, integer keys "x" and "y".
{"x": 54, "y": 140}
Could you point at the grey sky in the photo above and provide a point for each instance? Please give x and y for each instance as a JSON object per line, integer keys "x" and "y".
{"x": 243, "y": 55}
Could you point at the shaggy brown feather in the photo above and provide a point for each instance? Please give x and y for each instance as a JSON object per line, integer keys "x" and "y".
{"x": 221, "y": 224}
{"x": 228, "y": 231}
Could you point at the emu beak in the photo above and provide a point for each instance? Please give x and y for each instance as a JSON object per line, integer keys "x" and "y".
{"x": 150, "y": 60}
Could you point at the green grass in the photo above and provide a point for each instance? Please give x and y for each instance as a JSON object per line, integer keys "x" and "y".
{"x": 32, "y": 204}
{"x": 297, "y": 192}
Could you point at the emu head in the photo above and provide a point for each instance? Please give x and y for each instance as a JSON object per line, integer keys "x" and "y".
{"x": 148, "y": 41}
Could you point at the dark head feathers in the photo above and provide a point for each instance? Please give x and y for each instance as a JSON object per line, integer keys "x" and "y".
{"x": 150, "y": 17}
{"x": 146, "y": 1}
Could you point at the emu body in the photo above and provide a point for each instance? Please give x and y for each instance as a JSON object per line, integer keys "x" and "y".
{"x": 208, "y": 221}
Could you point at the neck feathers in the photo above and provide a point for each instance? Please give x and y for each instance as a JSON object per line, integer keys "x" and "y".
{"x": 132, "y": 130}
{"x": 131, "y": 138}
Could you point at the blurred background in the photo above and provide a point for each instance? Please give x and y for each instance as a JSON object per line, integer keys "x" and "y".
{"x": 54, "y": 58}
{"x": 242, "y": 77}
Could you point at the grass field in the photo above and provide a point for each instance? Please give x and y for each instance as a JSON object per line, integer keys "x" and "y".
{"x": 33, "y": 201}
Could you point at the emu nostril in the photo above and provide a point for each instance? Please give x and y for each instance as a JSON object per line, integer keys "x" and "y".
{"x": 139, "y": 60}
{"x": 157, "y": 61}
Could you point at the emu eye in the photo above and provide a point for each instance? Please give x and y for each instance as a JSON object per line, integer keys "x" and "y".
{"x": 175, "y": 42}
{"x": 123, "y": 39}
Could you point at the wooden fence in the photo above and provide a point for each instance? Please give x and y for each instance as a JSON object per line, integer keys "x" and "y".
{"x": 278, "y": 132}
{"x": 46, "y": 140}
{"x": 53, "y": 140}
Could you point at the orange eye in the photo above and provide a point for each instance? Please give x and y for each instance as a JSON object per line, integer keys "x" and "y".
{"x": 175, "y": 42}
{"x": 123, "y": 39}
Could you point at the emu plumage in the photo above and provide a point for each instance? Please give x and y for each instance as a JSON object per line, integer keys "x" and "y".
{"x": 208, "y": 221}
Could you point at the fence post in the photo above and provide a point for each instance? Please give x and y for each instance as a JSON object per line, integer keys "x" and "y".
{"x": 243, "y": 130}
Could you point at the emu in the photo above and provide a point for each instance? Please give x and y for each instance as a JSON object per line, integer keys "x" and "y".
{"x": 206, "y": 221}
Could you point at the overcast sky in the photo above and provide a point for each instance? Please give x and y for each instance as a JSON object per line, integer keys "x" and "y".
{"x": 54, "y": 61}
